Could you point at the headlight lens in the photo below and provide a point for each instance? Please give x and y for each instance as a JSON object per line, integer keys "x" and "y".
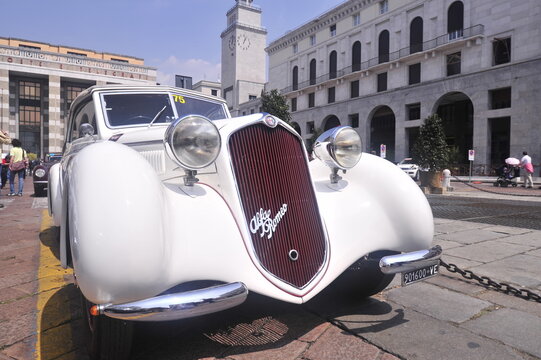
{"x": 39, "y": 172}
{"x": 339, "y": 147}
{"x": 194, "y": 141}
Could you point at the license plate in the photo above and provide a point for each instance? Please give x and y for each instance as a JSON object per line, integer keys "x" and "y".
{"x": 414, "y": 276}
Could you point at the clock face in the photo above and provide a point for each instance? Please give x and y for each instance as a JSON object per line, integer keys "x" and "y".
{"x": 243, "y": 41}
{"x": 232, "y": 42}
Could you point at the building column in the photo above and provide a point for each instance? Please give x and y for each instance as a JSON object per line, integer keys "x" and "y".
{"x": 56, "y": 128}
{"x": 4, "y": 106}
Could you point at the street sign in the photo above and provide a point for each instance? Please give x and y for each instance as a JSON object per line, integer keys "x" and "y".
{"x": 383, "y": 151}
{"x": 471, "y": 155}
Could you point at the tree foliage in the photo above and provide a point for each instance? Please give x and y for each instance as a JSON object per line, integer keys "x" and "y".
{"x": 430, "y": 150}
{"x": 275, "y": 104}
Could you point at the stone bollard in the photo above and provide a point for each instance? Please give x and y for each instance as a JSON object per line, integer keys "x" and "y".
{"x": 446, "y": 181}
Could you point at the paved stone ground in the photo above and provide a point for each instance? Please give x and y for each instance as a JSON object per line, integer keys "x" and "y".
{"x": 446, "y": 317}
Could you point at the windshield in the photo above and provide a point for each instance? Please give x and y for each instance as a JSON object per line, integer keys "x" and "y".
{"x": 137, "y": 109}
{"x": 187, "y": 105}
{"x": 407, "y": 161}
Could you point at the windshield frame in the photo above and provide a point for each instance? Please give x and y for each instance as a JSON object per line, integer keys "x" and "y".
{"x": 170, "y": 94}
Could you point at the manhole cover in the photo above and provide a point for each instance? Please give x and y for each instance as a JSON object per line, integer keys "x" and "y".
{"x": 261, "y": 331}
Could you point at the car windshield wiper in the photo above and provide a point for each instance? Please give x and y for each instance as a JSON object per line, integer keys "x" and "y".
{"x": 157, "y": 115}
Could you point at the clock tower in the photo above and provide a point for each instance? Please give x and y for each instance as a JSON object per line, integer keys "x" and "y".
{"x": 243, "y": 55}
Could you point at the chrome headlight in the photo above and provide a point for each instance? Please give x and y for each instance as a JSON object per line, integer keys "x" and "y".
{"x": 39, "y": 173}
{"x": 339, "y": 147}
{"x": 193, "y": 141}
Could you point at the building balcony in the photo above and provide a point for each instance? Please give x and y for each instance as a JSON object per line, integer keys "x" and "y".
{"x": 439, "y": 43}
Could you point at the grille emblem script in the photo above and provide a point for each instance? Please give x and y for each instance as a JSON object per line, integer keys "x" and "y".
{"x": 263, "y": 222}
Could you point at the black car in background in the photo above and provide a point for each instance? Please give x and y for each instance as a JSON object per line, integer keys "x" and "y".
{"x": 40, "y": 174}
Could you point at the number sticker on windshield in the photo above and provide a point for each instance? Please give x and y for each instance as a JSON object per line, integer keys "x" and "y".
{"x": 179, "y": 99}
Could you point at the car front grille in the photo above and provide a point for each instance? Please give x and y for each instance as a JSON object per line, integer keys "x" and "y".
{"x": 279, "y": 202}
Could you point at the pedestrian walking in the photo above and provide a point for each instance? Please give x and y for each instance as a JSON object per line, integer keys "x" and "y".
{"x": 527, "y": 170}
{"x": 17, "y": 167}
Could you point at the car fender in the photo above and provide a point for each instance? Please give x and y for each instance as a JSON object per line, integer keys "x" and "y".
{"x": 375, "y": 206}
{"x": 54, "y": 194}
{"x": 116, "y": 221}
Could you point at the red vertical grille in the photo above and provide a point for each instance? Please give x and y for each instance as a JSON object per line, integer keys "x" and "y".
{"x": 271, "y": 171}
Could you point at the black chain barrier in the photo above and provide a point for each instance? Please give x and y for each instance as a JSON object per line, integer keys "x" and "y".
{"x": 491, "y": 284}
{"x": 490, "y": 191}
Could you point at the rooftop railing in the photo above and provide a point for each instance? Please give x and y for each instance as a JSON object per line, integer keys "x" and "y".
{"x": 454, "y": 36}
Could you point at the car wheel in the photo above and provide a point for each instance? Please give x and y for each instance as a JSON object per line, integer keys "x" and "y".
{"x": 39, "y": 190}
{"x": 364, "y": 278}
{"x": 496, "y": 184}
{"x": 107, "y": 338}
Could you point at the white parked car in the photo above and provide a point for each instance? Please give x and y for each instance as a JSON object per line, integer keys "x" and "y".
{"x": 410, "y": 168}
{"x": 169, "y": 209}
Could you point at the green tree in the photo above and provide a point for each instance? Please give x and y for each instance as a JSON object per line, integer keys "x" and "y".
{"x": 430, "y": 150}
{"x": 275, "y": 104}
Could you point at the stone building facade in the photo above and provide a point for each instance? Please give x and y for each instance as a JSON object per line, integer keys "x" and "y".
{"x": 38, "y": 82}
{"x": 383, "y": 66}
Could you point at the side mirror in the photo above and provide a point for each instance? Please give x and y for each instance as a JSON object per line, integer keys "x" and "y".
{"x": 86, "y": 130}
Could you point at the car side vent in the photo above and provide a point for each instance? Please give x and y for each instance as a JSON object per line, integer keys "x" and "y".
{"x": 156, "y": 158}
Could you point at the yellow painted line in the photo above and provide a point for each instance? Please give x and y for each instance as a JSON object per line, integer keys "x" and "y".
{"x": 53, "y": 319}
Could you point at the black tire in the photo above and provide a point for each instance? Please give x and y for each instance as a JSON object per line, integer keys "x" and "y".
{"x": 107, "y": 338}
{"x": 496, "y": 183}
{"x": 39, "y": 190}
{"x": 364, "y": 278}
{"x": 514, "y": 184}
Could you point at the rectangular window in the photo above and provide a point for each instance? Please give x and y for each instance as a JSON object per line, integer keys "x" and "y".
{"x": 354, "y": 89}
{"x": 294, "y": 104}
{"x": 76, "y": 54}
{"x": 252, "y": 97}
{"x": 333, "y": 30}
{"x": 331, "y": 93}
{"x": 501, "y": 51}
{"x": 383, "y": 6}
{"x": 453, "y": 63}
{"x": 252, "y": 111}
{"x": 500, "y": 98}
{"x": 244, "y": 113}
{"x": 311, "y": 100}
{"x": 312, "y": 40}
{"x": 356, "y": 19}
{"x": 295, "y": 48}
{"x": 214, "y": 92}
{"x": 29, "y": 47}
{"x": 353, "y": 120}
{"x": 119, "y": 60}
{"x": 414, "y": 73}
{"x": 382, "y": 82}
{"x": 413, "y": 111}
{"x": 310, "y": 127}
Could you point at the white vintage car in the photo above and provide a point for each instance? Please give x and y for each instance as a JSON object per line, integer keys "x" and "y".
{"x": 169, "y": 209}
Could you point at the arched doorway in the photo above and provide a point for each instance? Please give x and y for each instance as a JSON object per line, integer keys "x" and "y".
{"x": 455, "y": 20}
{"x": 456, "y": 111}
{"x": 383, "y": 46}
{"x": 333, "y": 64}
{"x": 382, "y": 131}
{"x": 331, "y": 122}
{"x": 356, "y": 56}
{"x": 416, "y": 35}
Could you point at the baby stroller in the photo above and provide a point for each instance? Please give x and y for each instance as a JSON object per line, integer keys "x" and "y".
{"x": 507, "y": 175}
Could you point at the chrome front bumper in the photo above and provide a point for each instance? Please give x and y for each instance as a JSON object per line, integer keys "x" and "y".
{"x": 180, "y": 305}
{"x": 410, "y": 261}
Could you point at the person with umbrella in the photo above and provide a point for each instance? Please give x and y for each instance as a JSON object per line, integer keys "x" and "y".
{"x": 527, "y": 166}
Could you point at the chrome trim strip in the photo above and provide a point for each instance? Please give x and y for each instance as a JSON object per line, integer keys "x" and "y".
{"x": 410, "y": 261}
{"x": 180, "y": 305}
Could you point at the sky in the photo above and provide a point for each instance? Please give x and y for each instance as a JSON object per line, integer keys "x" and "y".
{"x": 175, "y": 36}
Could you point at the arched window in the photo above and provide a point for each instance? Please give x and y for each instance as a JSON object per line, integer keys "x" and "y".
{"x": 313, "y": 72}
{"x": 416, "y": 35}
{"x": 356, "y": 56}
{"x": 295, "y": 77}
{"x": 332, "y": 64}
{"x": 383, "y": 46}
{"x": 455, "y": 20}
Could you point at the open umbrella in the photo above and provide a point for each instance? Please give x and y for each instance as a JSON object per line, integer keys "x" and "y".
{"x": 512, "y": 161}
